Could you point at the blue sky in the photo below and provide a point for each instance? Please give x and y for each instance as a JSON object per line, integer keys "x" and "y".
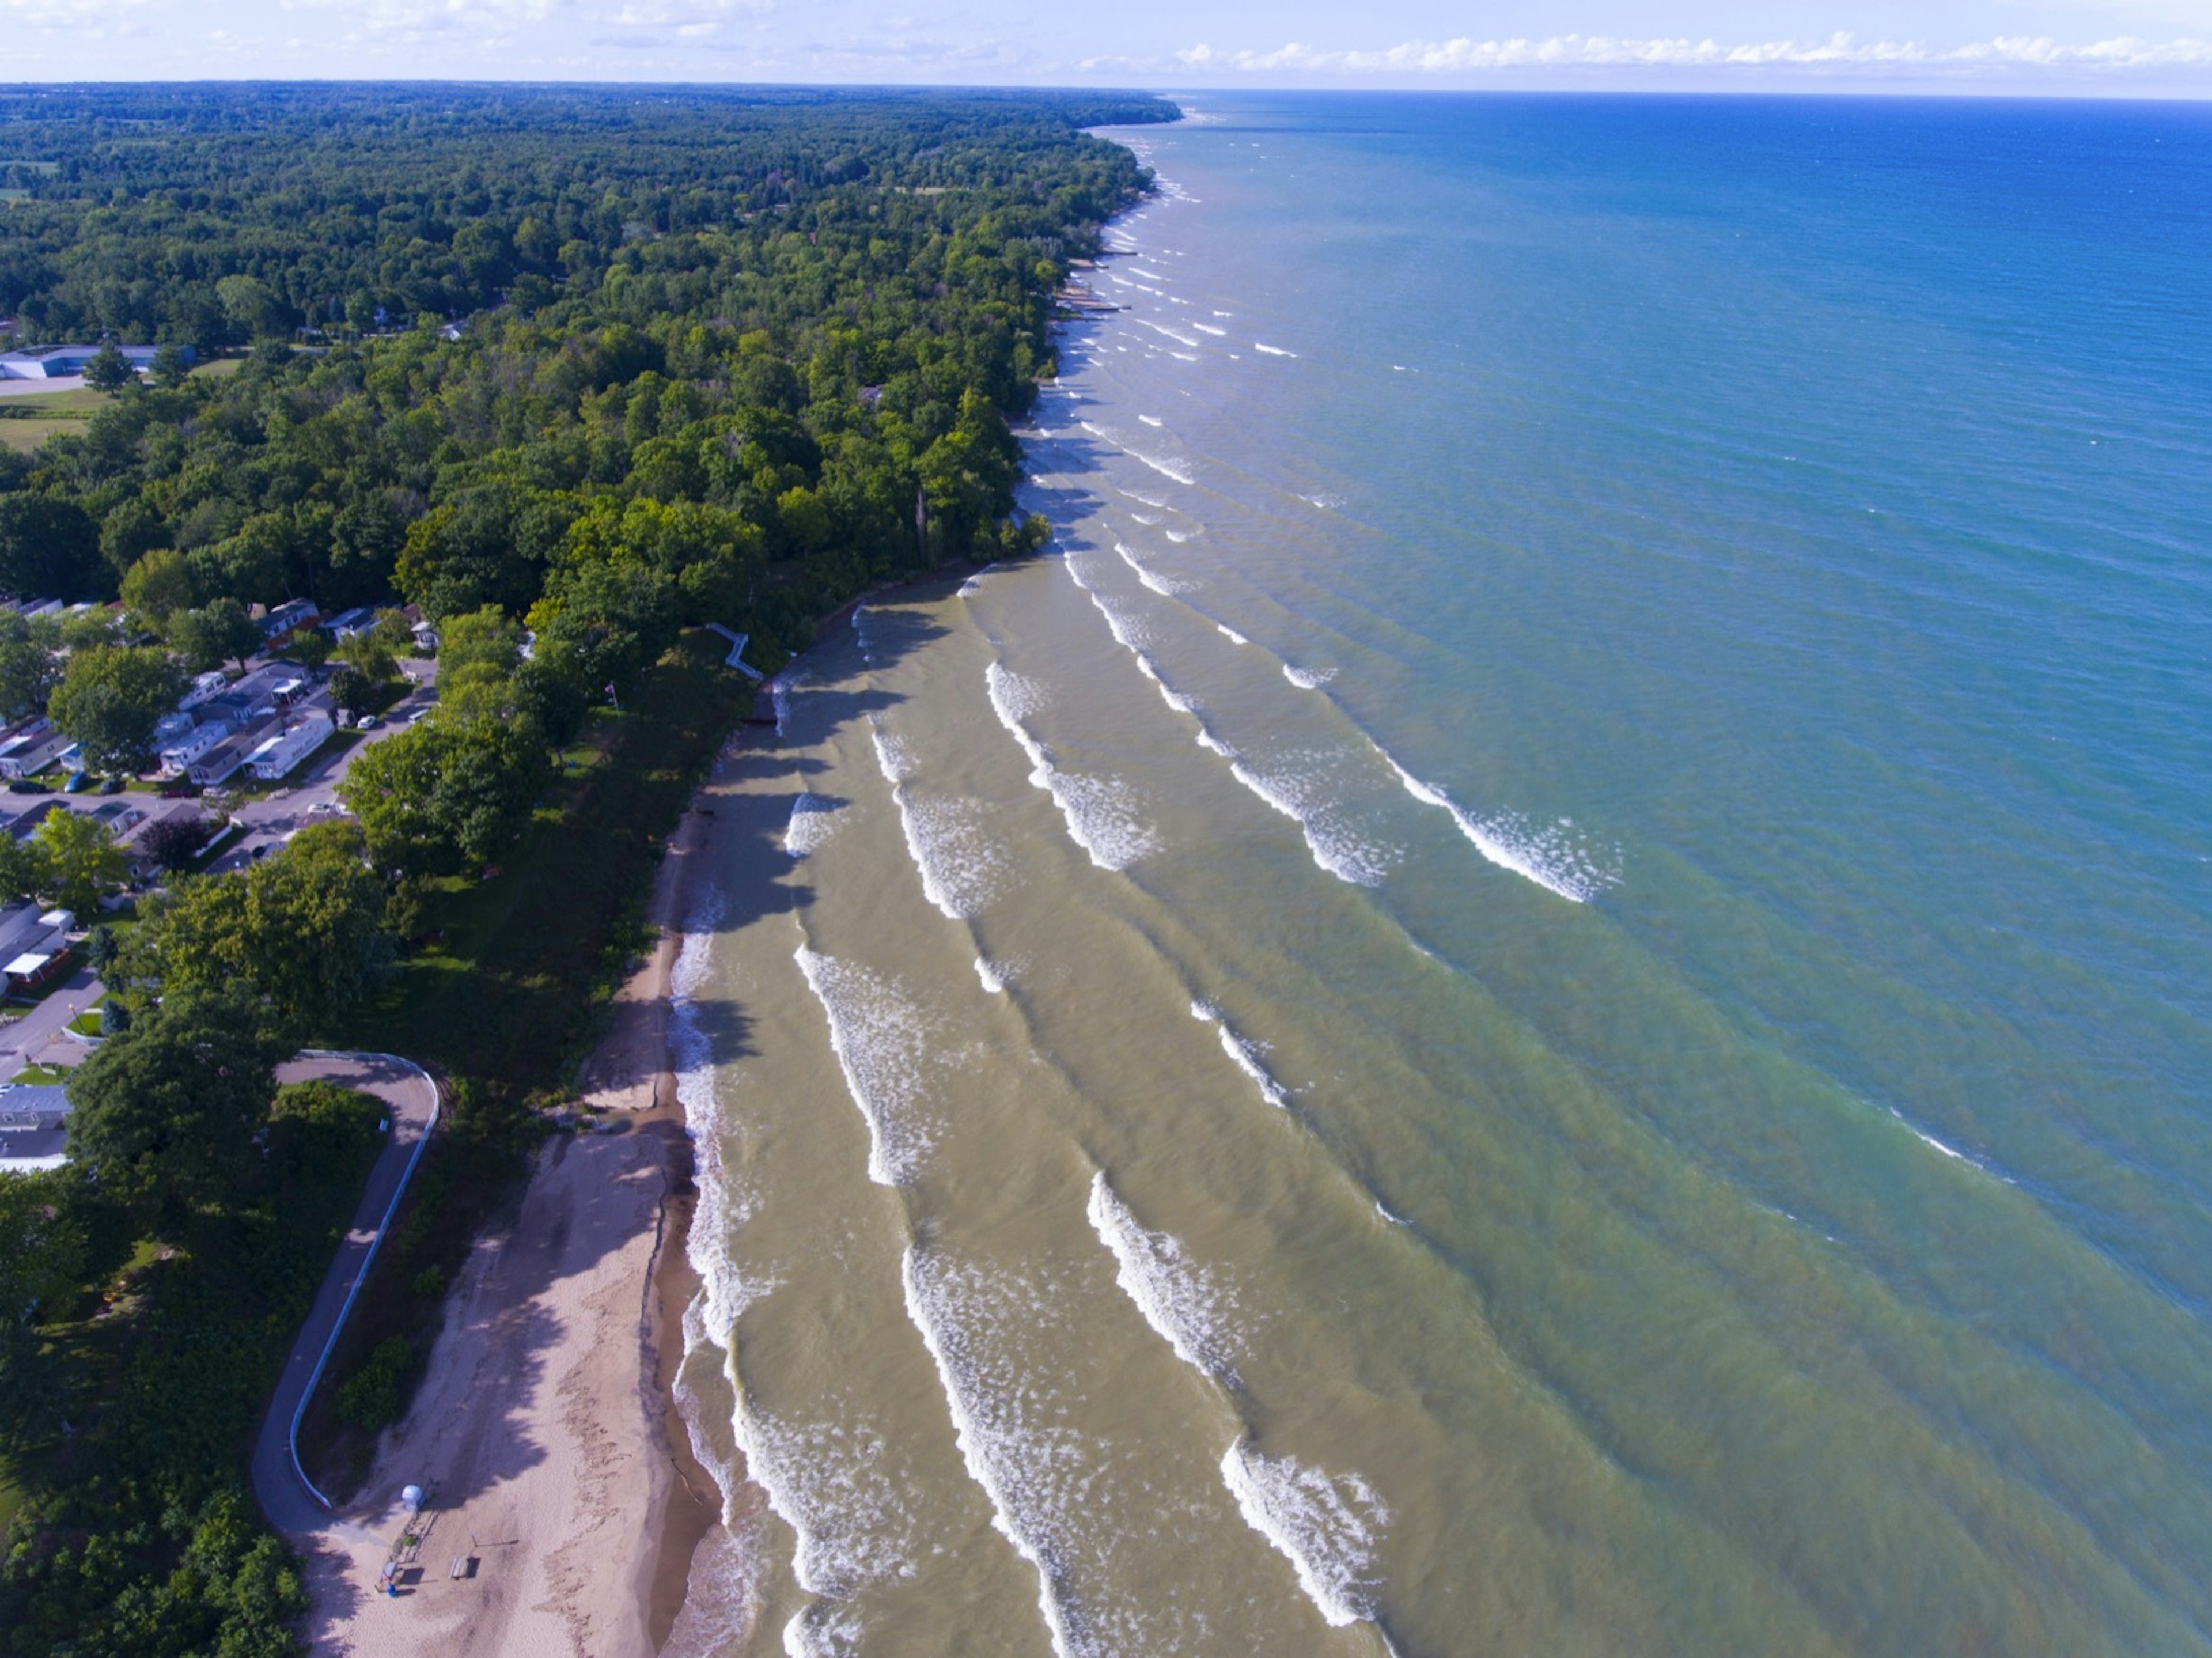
{"x": 2112, "y": 47}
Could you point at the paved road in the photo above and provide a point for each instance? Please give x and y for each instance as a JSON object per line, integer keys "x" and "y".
{"x": 269, "y": 822}
{"x": 23, "y": 1042}
{"x": 292, "y": 1505}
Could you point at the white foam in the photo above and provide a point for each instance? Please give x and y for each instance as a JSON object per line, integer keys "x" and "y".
{"x": 721, "y": 1599}
{"x": 1326, "y": 1527}
{"x": 1027, "y": 1465}
{"x": 1301, "y": 796}
{"x": 882, "y": 1045}
{"x": 826, "y": 1481}
{"x": 1244, "y": 1053}
{"x": 1179, "y": 535}
{"x": 1101, "y": 816}
{"x": 1187, "y": 1306}
{"x": 813, "y": 820}
{"x": 1208, "y": 328}
{"x": 1551, "y": 858}
{"x": 1231, "y": 634}
{"x": 960, "y": 863}
{"x": 1166, "y": 469}
{"x": 1306, "y": 679}
{"x": 1133, "y": 496}
{"x": 993, "y": 975}
{"x": 1146, "y": 519}
{"x": 1273, "y": 350}
{"x": 1152, "y": 420}
{"x": 1158, "y": 584}
{"x": 1327, "y": 503}
{"x": 1179, "y": 339}
{"x": 1183, "y": 356}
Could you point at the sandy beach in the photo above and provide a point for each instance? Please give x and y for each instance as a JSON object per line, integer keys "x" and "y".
{"x": 564, "y": 1505}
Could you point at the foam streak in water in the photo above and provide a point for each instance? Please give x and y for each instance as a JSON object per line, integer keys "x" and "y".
{"x": 1096, "y": 810}
{"x": 958, "y": 862}
{"x": 1029, "y": 1470}
{"x": 882, "y": 1046}
{"x": 1246, "y": 1056}
{"x": 1327, "y": 1528}
{"x": 1548, "y": 856}
{"x": 1178, "y": 1298}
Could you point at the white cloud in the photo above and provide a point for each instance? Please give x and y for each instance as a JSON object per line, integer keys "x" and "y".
{"x": 85, "y": 16}
{"x": 1465, "y": 56}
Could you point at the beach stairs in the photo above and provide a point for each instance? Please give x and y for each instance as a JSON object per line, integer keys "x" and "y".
{"x": 736, "y": 658}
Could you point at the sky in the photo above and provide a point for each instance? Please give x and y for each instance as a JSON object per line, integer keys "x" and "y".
{"x": 2096, "y": 48}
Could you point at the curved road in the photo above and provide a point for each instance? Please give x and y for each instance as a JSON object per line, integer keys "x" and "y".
{"x": 291, "y": 1503}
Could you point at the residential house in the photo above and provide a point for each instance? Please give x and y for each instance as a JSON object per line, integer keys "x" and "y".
{"x": 301, "y": 736}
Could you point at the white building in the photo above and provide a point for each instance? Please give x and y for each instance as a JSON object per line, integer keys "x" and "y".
{"x": 49, "y": 362}
{"x": 277, "y": 754}
{"x": 179, "y": 753}
{"x": 213, "y": 683}
{"x": 222, "y": 762}
{"x": 32, "y": 750}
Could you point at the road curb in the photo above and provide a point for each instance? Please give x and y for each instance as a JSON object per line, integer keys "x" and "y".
{"x": 337, "y": 1326}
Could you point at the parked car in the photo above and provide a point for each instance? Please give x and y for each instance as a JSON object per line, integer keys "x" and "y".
{"x": 77, "y": 783}
{"x": 182, "y": 789}
{"x": 366, "y": 723}
{"x": 29, "y": 786}
{"x": 110, "y": 786}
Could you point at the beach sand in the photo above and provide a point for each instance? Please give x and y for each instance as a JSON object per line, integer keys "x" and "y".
{"x": 560, "y": 1478}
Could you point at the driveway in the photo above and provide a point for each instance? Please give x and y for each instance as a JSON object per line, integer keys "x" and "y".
{"x": 28, "y": 1039}
{"x": 293, "y": 1505}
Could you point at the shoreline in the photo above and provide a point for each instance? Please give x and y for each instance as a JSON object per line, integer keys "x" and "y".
{"x": 533, "y": 1425}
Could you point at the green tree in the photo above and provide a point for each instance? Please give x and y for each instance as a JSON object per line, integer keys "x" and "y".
{"x": 170, "y": 370}
{"x": 302, "y": 929}
{"x": 158, "y": 587}
{"x": 130, "y": 532}
{"x": 110, "y": 697}
{"x": 50, "y": 549}
{"x": 110, "y": 371}
{"x": 43, "y": 1255}
{"x": 478, "y": 653}
{"x": 76, "y": 861}
{"x": 165, "y": 1116}
{"x": 220, "y": 631}
{"x": 445, "y": 796}
{"x": 29, "y": 666}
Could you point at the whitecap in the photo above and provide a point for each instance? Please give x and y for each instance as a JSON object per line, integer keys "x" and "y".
{"x": 1231, "y": 634}
{"x": 1188, "y": 1307}
{"x": 1552, "y": 857}
{"x": 1273, "y": 350}
{"x": 813, "y": 820}
{"x": 1028, "y": 1463}
{"x": 1301, "y": 796}
{"x": 1100, "y": 815}
{"x": 1327, "y": 1527}
{"x": 882, "y": 1043}
{"x": 1244, "y": 1053}
{"x": 1152, "y": 420}
{"x": 960, "y": 863}
{"x": 1208, "y": 328}
{"x": 1306, "y": 679}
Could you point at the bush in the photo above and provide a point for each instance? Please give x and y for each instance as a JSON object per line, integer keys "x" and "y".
{"x": 374, "y": 1395}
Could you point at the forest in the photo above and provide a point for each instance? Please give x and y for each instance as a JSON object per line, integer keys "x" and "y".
{"x": 569, "y": 366}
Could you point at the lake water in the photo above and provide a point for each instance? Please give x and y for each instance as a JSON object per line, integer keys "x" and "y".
{"x": 1546, "y": 990}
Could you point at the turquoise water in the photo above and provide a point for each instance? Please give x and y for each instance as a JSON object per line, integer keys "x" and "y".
{"x": 1641, "y": 666}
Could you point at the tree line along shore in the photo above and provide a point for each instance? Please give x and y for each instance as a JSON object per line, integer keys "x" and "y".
{"x": 573, "y": 373}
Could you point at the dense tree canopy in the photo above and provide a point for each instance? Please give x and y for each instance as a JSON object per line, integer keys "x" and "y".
{"x": 109, "y": 700}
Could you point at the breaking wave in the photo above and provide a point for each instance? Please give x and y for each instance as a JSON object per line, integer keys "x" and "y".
{"x": 1552, "y": 856}
{"x": 1244, "y": 1053}
{"x": 1187, "y": 1307}
{"x": 1326, "y": 1527}
{"x": 882, "y": 1043}
{"x": 1101, "y": 816}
